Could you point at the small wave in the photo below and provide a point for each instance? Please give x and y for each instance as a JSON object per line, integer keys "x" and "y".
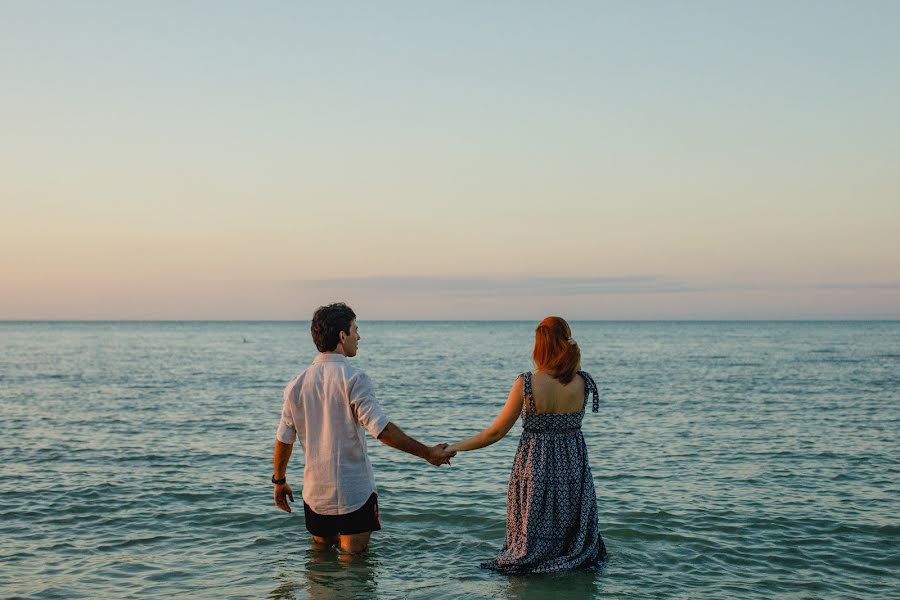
{"x": 658, "y": 514}
{"x": 630, "y": 533}
{"x": 17, "y": 556}
{"x": 136, "y": 541}
{"x": 171, "y": 575}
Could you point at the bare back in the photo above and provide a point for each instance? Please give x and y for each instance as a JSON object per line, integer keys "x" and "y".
{"x": 551, "y": 396}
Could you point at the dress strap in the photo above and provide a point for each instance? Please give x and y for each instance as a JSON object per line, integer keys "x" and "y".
{"x": 529, "y": 394}
{"x": 590, "y": 386}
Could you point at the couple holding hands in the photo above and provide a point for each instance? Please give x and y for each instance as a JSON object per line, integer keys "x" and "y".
{"x": 551, "y": 511}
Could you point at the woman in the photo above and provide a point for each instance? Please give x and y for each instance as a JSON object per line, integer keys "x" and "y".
{"x": 551, "y": 506}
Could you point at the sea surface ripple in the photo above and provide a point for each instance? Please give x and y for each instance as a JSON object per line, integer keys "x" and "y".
{"x": 731, "y": 459}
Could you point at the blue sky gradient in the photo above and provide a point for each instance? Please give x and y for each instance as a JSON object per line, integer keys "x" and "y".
{"x": 612, "y": 160}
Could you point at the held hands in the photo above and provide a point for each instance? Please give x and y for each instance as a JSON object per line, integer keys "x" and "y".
{"x": 283, "y": 491}
{"x": 439, "y": 454}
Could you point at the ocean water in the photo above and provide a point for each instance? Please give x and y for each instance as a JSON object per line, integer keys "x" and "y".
{"x": 732, "y": 459}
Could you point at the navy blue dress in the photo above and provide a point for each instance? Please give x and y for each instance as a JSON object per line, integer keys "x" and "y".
{"x": 551, "y": 505}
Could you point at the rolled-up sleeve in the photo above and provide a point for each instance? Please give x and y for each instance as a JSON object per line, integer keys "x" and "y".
{"x": 368, "y": 411}
{"x": 287, "y": 431}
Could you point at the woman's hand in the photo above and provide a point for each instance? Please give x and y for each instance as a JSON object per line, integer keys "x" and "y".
{"x": 439, "y": 455}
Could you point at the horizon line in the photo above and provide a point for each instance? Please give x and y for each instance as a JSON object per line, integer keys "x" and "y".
{"x": 635, "y": 320}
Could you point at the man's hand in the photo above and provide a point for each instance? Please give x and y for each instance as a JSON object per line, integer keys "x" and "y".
{"x": 282, "y": 492}
{"x": 439, "y": 454}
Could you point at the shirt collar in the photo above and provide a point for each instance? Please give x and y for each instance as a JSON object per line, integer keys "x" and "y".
{"x": 333, "y": 357}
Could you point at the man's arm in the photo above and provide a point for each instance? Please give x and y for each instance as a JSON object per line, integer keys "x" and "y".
{"x": 280, "y": 459}
{"x": 394, "y": 437}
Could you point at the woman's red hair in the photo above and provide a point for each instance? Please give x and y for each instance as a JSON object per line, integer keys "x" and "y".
{"x": 555, "y": 352}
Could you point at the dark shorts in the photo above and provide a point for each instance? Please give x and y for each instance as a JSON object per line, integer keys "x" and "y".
{"x": 361, "y": 520}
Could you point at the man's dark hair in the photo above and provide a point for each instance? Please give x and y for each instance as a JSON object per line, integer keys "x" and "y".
{"x": 328, "y": 322}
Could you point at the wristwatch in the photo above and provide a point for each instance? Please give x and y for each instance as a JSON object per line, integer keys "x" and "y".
{"x": 279, "y": 481}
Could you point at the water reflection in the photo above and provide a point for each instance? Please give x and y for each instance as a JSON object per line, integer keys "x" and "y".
{"x": 569, "y": 584}
{"x": 325, "y": 574}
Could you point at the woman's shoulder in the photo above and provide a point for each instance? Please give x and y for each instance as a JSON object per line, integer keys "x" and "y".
{"x": 522, "y": 383}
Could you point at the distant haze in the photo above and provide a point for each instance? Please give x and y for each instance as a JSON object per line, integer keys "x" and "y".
{"x": 465, "y": 160}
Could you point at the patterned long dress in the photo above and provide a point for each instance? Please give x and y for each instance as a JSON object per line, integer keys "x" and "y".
{"x": 551, "y": 505}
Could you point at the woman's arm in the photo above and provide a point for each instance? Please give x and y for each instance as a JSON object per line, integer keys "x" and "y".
{"x": 501, "y": 425}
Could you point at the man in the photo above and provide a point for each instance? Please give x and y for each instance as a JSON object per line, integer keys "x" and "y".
{"x": 329, "y": 406}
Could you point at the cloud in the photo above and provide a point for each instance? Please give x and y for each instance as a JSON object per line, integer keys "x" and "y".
{"x": 474, "y": 286}
{"x": 857, "y": 286}
{"x": 558, "y": 286}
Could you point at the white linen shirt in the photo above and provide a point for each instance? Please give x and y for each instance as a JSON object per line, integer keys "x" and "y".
{"x": 329, "y": 407}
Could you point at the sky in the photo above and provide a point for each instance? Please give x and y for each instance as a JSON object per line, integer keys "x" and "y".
{"x": 464, "y": 160}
